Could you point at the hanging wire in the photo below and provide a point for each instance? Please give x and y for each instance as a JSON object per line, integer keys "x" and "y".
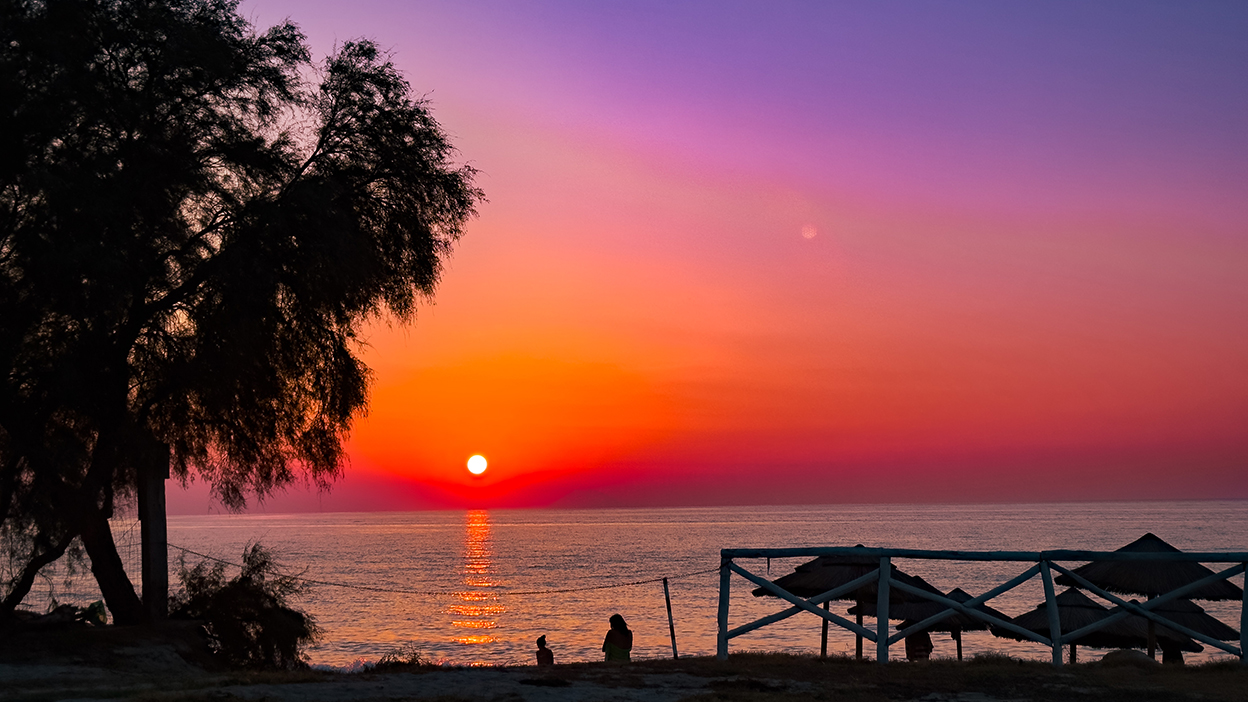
{"x": 456, "y": 593}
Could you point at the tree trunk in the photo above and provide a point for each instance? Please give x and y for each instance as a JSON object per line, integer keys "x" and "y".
{"x": 21, "y": 587}
{"x": 119, "y": 594}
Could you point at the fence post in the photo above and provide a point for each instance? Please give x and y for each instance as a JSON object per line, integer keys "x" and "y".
{"x": 1243, "y": 622}
{"x": 881, "y": 612}
{"x": 725, "y": 582}
{"x": 671, "y": 625}
{"x": 1050, "y": 603}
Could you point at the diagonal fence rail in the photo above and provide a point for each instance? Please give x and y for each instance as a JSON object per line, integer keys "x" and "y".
{"x": 1045, "y": 563}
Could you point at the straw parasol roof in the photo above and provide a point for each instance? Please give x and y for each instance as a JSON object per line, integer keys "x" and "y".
{"x": 918, "y": 611}
{"x": 1191, "y": 615}
{"x": 1152, "y": 578}
{"x": 830, "y": 572}
{"x": 1076, "y": 610}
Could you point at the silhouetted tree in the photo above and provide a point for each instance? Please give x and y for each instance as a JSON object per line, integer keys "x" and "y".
{"x": 195, "y": 221}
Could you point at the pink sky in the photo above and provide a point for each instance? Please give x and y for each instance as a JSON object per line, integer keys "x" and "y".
{"x": 1025, "y": 280}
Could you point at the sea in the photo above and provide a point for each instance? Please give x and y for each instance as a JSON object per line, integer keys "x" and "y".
{"x": 477, "y": 587}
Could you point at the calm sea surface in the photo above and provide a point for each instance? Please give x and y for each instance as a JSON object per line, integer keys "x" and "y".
{"x": 482, "y": 557}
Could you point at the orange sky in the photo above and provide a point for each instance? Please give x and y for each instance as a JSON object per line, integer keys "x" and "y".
{"x": 1046, "y": 306}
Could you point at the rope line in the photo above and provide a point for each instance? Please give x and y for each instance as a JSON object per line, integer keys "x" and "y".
{"x": 456, "y": 593}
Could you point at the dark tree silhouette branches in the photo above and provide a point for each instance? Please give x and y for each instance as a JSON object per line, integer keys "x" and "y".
{"x": 195, "y": 221}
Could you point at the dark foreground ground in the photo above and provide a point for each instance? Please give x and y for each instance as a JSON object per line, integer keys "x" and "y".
{"x": 171, "y": 665}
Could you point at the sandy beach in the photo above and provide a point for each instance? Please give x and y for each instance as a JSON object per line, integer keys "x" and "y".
{"x": 134, "y": 664}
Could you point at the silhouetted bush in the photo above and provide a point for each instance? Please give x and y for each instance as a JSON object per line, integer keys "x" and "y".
{"x": 402, "y": 658}
{"x": 249, "y": 619}
{"x": 995, "y": 658}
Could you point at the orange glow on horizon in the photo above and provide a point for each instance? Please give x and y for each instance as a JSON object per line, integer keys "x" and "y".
{"x": 530, "y": 414}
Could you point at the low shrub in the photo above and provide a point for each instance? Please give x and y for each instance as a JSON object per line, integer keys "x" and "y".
{"x": 249, "y": 619}
{"x": 406, "y": 656}
{"x": 995, "y": 658}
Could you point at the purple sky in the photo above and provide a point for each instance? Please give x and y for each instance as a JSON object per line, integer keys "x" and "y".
{"x": 1029, "y": 242}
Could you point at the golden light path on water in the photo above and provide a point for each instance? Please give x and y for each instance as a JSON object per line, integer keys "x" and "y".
{"x": 477, "y": 608}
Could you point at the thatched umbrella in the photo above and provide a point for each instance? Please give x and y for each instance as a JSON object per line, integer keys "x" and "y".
{"x": 1152, "y": 578}
{"x": 830, "y": 572}
{"x": 955, "y": 624}
{"x": 1191, "y": 615}
{"x": 1076, "y": 610}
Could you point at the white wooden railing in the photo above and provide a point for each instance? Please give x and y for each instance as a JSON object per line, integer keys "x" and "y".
{"x": 1045, "y": 563}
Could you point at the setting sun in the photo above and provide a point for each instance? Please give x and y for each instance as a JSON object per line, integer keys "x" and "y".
{"x": 477, "y": 465}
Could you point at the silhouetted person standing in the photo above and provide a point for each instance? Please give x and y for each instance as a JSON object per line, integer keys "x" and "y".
{"x": 619, "y": 642}
{"x": 545, "y": 656}
{"x": 1171, "y": 652}
{"x": 918, "y": 645}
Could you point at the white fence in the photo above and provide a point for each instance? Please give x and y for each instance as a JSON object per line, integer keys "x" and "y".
{"x": 1045, "y": 563}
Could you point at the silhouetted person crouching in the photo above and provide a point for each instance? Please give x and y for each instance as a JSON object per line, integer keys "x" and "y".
{"x": 619, "y": 642}
{"x": 545, "y": 656}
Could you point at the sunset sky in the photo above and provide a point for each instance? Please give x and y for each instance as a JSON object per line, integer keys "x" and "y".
{"x": 817, "y": 252}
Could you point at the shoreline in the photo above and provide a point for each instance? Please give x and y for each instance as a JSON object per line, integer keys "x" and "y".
{"x": 745, "y": 677}
{"x": 169, "y": 664}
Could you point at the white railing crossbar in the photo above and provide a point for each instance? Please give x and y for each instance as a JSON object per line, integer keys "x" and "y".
{"x": 1032, "y": 556}
{"x": 801, "y": 603}
{"x": 1044, "y": 563}
{"x": 984, "y": 616}
{"x": 817, "y": 599}
{"x": 975, "y": 601}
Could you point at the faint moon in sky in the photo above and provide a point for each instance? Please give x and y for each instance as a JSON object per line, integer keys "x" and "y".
{"x": 809, "y": 231}
{"x": 477, "y": 464}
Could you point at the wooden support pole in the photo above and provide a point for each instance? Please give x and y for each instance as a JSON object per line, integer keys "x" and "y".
{"x": 858, "y": 643}
{"x": 725, "y": 582}
{"x": 881, "y": 611}
{"x": 1072, "y": 653}
{"x": 1055, "y": 622}
{"x": 957, "y": 636}
{"x": 153, "y": 532}
{"x": 1152, "y": 636}
{"x": 823, "y": 640}
{"x": 671, "y": 624}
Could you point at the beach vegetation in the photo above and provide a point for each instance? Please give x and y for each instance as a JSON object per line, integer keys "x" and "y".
{"x": 994, "y": 658}
{"x": 196, "y": 220}
{"x": 249, "y": 619}
{"x": 404, "y": 657}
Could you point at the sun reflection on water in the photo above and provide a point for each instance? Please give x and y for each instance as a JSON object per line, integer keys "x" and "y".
{"x": 477, "y": 606}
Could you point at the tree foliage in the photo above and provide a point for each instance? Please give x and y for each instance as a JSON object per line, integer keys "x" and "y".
{"x": 195, "y": 221}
